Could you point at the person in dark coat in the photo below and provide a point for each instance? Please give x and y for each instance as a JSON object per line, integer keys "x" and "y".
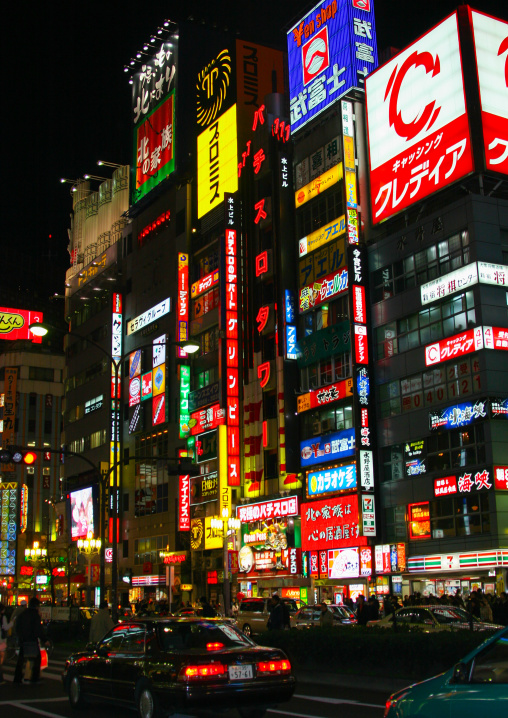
{"x": 276, "y": 620}
{"x": 29, "y": 630}
{"x": 207, "y": 610}
{"x": 362, "y": 611}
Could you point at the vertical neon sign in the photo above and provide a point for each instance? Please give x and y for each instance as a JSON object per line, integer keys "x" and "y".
{"x": 182, "y": 302}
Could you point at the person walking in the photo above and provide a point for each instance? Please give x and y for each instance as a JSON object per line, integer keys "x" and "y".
{"x": 276, "y": 620}
{"x": 30, "y": 631}
{"x": 362, "y": 611}
{"x": 101, "y": 623}
{"x": 207, "y": 611}
{"x": 326, "y": 617}
{"x": 5, "y": 626}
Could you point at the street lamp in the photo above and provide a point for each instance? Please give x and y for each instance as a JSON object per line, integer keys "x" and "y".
{"x": 40, "y": 329}
{"x": 89, "y": 547}
{"x": 35, "y": 553}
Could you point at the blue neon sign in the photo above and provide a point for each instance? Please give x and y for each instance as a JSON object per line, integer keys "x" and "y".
{"x": 332, "y": 447}
{"x": 330, "y": 51}
{"x": 327, "y": 481}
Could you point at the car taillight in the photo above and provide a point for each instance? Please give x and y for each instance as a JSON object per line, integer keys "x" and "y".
{"x": 214, "y": 646}
{"x": 270, "y": 667}
{"x": 202, "y": 672}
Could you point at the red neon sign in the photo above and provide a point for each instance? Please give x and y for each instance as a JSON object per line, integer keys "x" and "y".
{"x": 331, "y": 523}
{"x": 469, "y": 341}
{"x": 232, "y": 374}
{"x": 262, "y": 318}
{"x": 183, "y": 506}
{"x": 207, "y": 419}
{"x": 261, "y": 263}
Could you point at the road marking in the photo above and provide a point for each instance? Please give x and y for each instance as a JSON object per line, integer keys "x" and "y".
{"x": 337, "y": 701}
{"x": 31, "y": 709}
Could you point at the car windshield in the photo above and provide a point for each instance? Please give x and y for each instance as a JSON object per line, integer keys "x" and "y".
{"x": 450, "y": 614}
{"x": 180, "y": 635}
{"x": 342, "y": 611}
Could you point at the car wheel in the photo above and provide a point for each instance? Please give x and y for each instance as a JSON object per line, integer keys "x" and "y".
{"x": 252, "y": 712}
{"x": 147, "y": 703}
{"x": 75, "y": 693}
{"x": 247, "y": 630}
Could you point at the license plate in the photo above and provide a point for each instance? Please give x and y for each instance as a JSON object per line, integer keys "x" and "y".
{"x": 240, "y": 673}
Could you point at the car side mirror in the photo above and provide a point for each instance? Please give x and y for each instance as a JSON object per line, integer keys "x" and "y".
{"x": 102, "y": 650}
{"x": 460, "y": 673}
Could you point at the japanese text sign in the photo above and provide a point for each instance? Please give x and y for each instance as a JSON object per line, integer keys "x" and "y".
{"x": 331, "y": 523}
{"x": 418, "y": 130}
{"x": 268, "y": 510}
{"x": 328, "y": 481}
{"x": 319, "y": 450}
{"x": 329, "y": 52}
{"x": 491, "y": 45}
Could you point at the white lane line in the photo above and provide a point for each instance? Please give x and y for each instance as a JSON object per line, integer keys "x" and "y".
{"x": 31, "y": 709}
{"x": 336, "y": 701}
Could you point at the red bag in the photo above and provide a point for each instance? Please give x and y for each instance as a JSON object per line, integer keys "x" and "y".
{"x": 44, "y": 659}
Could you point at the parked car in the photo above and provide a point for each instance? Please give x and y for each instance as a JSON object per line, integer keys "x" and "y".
{"x": 477, "y": 686}
{"x": 308, "y": 616}
{"x": 179, "y": 665}
{"x": 253, "y": 614}
{"x": 434, "y": 618}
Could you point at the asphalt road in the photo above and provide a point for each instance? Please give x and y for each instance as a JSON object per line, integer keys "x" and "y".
{"x": 311, "y": 700}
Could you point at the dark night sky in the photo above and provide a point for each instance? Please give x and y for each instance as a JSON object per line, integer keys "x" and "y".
{"x": 66, "y": 99}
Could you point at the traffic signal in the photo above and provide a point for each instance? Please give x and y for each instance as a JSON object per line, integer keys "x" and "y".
{"x": 17, "y": 455}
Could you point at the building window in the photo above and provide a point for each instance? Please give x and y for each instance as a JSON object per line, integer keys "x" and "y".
{"x": 326, "y": 372}
{"x": 460, "y": 516}
{"x": 422, "y": 267}
{"x": 331, "y": 418}
{"x": 431, "y": 324}
{"x": 440, "y": 384}
{"x": 40, "y": 373}
{"x": 148, "y": 549}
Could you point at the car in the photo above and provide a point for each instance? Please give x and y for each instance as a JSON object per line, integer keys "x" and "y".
{"x": 308, "y": 616}
{"x": 253, "y": 614}
{"x": 477, "y": 686}
{"x": 170, "y": 664}
{"x": 438, "y": 617}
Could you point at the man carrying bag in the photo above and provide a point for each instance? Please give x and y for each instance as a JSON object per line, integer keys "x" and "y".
{"x": 30, "y": 631}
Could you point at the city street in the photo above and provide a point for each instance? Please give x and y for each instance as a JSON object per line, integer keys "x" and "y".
{"x": 310, "y": 700}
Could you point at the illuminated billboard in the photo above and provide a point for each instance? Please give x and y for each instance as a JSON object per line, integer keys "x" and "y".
{"x": 14, "y": 324}
{"x": 331, "y": 523}
{"x": 491, "y": 46}
{"x": 153, "y": 107}
{"x": 417, "y": 124}
{"x": 217, "y": 160}
{"x": 330, "y": 51}
{"x": 154, "y": 148}
{"x": 83, "y": 511}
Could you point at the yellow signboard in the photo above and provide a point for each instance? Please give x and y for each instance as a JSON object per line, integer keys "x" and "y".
{"x": 321, "y": 236}
{"x": 318, "y": 184}
{"x": 217, "y": 161}
{"x": 159, "y": 380}
{"x": 213, "y": 536}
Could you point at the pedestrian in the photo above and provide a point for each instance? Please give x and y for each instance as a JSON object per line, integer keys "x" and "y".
{"x": 101, "y": 623}
{"x": 276, "y": 620}
{"x": 207, "y": 610}
{"x": 362, "y": 611}
{"x": 30, "y": 631}
{"x": 5, "y": 626}
{"x": 373, "y": 607}
{"x": 485, "y": 610}
{"x": 325, "y": 617}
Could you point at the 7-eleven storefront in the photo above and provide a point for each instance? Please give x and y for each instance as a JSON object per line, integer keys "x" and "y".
{"x": 441, "y": 574}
